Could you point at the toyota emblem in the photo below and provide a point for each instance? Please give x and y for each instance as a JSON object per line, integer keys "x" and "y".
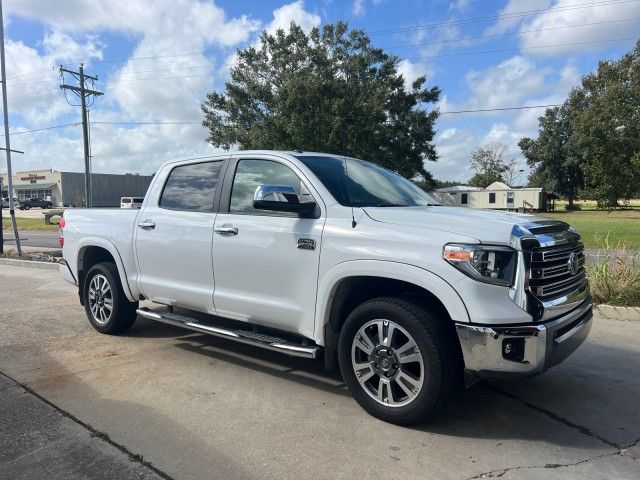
{"x": 573, "y": 263}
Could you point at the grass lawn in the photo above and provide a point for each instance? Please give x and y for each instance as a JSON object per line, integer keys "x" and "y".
{"x": 618, "y": 228}
{"x": 27, "y": 223}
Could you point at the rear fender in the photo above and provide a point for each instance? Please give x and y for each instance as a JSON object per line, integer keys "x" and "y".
{"x": 131, "y": 294}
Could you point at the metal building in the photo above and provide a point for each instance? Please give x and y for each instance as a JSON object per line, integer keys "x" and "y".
{"x": 67, "y": 188}
{"x": 498, "y": 196}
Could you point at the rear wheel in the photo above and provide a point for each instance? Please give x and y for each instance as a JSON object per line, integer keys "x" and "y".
{"x": 105, "y": 302}
{"x": 398, "y": 359}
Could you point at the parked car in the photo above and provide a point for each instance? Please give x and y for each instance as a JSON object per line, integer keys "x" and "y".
{"x": 317, "y": 255}
{"x": 5, "y": 202}
{"x": 131, "y": 202}
{"x": 35, "y": 202}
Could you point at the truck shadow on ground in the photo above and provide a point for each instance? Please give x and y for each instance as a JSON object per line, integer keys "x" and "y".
{"x": 485, "y": 410}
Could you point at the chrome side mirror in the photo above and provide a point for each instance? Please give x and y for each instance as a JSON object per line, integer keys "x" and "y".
{"x": 281, "y": 198}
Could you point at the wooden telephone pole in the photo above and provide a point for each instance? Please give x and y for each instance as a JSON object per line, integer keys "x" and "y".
{"x": 84, "y": 93}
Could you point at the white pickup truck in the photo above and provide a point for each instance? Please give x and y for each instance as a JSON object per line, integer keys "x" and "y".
{"x": 311, "y": 255}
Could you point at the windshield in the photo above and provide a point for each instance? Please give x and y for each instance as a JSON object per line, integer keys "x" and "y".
{"x": 366, "y": 184}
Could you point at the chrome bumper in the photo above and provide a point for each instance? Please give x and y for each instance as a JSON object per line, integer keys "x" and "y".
{"x": 523, "y": 350}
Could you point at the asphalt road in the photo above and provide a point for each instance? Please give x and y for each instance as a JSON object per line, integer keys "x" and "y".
{"x": 30, "y": 238}
{"x": 197, "y": 407}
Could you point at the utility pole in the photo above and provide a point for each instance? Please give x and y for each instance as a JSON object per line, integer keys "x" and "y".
{"x": 7, "y": 141}
{"x": 83, "y": 93}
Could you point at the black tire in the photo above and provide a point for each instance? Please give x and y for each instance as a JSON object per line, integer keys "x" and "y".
{"x": 441, "y": 359}
{"x": 123, "y": 313}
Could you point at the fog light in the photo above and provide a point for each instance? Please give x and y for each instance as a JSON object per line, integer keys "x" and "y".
{"x": 513, "y": 349}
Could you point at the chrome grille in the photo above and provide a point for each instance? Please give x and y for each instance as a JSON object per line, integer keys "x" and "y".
{"x": 551, "y": 275}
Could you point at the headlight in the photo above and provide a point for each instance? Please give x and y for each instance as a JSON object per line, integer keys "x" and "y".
{"x": 486, "y": 263}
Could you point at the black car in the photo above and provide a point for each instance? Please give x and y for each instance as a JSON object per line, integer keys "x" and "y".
{"x": 35, "y": 202}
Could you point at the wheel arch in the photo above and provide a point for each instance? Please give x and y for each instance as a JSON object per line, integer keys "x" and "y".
{"x": 350, "y": 283}
{"x": 96, "y": 250}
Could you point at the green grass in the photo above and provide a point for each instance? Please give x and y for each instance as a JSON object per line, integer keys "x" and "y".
{"x": 617, "y": 228}
{"x": 28, "y": 224}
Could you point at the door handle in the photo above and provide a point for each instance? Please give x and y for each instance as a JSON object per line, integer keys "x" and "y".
{"x": 147, "y": 225}
{"x": 226, "y": 229}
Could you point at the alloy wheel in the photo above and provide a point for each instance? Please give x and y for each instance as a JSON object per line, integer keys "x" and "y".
{"x": 100, "y": 299}
{"x": 387, "y": 362}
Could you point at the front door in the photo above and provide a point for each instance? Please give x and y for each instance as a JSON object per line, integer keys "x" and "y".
{"x": 174, "y": 236}
{"x": 266, "y": 263}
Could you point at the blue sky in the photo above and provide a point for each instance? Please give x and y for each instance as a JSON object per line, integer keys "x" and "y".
{"x": 157, "y": 59}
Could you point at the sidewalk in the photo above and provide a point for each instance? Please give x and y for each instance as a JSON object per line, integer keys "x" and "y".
{"x": 39, "y": 441}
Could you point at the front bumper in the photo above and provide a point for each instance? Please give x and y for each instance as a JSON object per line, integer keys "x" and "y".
{"x": 523, "y": 350}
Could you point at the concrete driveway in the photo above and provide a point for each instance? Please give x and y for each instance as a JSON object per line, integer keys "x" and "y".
{"x": 188, "y": 406}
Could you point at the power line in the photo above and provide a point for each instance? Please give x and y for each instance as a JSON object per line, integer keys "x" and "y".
{"x": 463, "y": 39}
{"x": 148, "y": 123}
{"x": 494, "y": 17}
{"x": 535, "y": 47}
{"x": 479, "y": 110}
{"x": 194, "y": 122}
{"x": 43, "y": 128}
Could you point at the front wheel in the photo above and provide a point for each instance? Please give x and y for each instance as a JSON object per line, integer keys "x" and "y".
{"x": 398, "y": 359}
{"x": 105, "y": 302}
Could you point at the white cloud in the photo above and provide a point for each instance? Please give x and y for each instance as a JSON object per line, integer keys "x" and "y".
{"x": 357, "y": 8}
{"x": 293, "y": 12}
{"x": 512, "y": 14}
{"x": 411, "y": 71}
{"x": 600, "y": 24}
{"x": 505, "y": 84}
{"x": 453, "y": 146}
{"x": 568, "y": 25}
{"x": 460, "y": 5}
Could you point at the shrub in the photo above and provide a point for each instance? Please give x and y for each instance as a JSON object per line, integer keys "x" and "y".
{"x": 615, "y": 277}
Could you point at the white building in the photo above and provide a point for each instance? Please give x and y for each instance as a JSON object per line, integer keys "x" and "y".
{"x": 498, "y": 196}
{"x": 67, "y": 188}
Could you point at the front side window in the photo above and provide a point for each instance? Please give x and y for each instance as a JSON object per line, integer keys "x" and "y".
{"x": 492, "y": 197}
{"x": 191, "y": 187}
{"x": 250, "y": 174}
{"x": 362, "y": 184}
{"x": 464, "y": 198}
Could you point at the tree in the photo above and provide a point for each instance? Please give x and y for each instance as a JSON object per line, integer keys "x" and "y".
{"x": 606, "y": 125}
{"x": 329, "y": 91}
{"x": 489, "y": 163}
{"x": 553, "y": 155}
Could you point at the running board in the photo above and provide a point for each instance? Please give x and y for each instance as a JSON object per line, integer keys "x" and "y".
{"x": 242, "y": 336}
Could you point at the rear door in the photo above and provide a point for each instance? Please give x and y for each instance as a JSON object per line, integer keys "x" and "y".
{"x": 174, "y": 233}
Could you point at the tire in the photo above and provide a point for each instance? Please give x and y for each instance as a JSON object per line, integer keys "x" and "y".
{"x": 102, "y": 284}
{"x": 437, "y": 358}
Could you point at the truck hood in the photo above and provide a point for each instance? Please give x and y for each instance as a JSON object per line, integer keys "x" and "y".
{"x": 486, "y": 226}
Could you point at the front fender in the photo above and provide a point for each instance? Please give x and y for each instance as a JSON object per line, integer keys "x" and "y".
{"x": 420, "y": 277}
{"x": 86, "y": 242}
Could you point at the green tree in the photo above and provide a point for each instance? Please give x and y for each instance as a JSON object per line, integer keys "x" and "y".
{"x": 606, "y": 123}
{"x": 489, "y": 163}
{"x": 553, "y": 155}
{"x": 329, "y": 91}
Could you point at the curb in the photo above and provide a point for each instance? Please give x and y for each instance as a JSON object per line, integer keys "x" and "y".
{"x": 611, "y": 312}
{"x": 29, "y": 263}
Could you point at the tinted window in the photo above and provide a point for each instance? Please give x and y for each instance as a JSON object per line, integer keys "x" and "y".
{"x": 492, "y": 197}
{"x": 250, "y": 174}
{"x": 362, "y": 184}
{"x": 463, "y": 198}
{"x": 191, "y": 187}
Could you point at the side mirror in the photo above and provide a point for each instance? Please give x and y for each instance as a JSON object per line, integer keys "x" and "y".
{"x": 282, "y": 198}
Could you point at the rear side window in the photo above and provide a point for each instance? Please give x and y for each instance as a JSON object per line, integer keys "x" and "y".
{"x": 191, "y": 187}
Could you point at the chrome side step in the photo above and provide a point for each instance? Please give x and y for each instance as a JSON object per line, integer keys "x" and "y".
{"x": 242, "y": 336}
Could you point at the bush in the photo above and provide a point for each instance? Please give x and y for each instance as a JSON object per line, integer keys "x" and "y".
{"x": 573, "y": 207}
{"x": 615, "y": 278}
